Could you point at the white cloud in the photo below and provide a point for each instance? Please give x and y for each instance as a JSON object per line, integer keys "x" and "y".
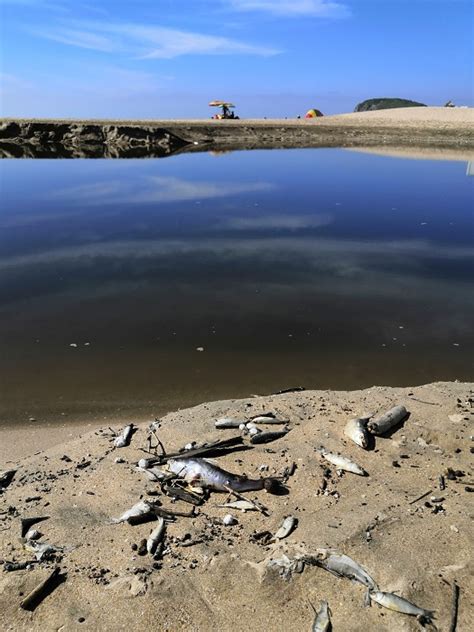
{"x": 156, "y": 189}
{"x": 145, "y": 41}
{"x": 316, "y": 8}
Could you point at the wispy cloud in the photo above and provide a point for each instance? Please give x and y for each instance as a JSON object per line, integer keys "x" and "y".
{"x": 278, "y": 222}
{"x": 316, "y": 8}
{"x": 156, "y": 189}
{"x": 148, "y": 42}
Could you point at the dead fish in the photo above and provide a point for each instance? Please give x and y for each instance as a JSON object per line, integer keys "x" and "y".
{"x": 399, "y": 604}
{"x": 243, "y": 505}
{"x": 6, "y": 478}
{"x": 266, "y": 437}
{"x": 42, "y": 550}
{"x": 268, "y": 419}
{"x": 156, "y": 536}
{"x": 287, "y": 526}
{"x": 356, "y": 430}
{"x": 141, "y": 508}
{"x": 287, "y": 566}
{"x": 342, "y": 566}
{"x": 201, "y": 473}
{"x": 322, "y": 621}
{"x": 341, "y": 462}
{"x": 228, "y": 422}
{"x": 387, "y": 421}
{"x": 124, "y": 437}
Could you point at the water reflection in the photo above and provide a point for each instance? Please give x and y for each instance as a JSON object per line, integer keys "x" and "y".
{"x": 320, "y": 267}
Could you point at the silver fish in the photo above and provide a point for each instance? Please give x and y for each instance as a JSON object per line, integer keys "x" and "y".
{"x": 141, "y": 508}
{"x": 387, "y": 421}
{"x": 124, "y": 437}
{"x": 287, "y": 526}
{"x": 266, "y": 437}
{"x": 399, "y": 604}
{"x": 201, "y": 473}
{"x": 322, "y": 621}
{"x": 341, "y": 462}
{"x": 342, "y": 566}
{"x": 228, "y": 422}
{"x": 269, "y": 419}
{"x": 243, "y": 505}
{"x": 156, "y": 536}
{"x": 356, "y": 430}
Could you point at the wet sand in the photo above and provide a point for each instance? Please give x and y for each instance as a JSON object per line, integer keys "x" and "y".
{"x": 417, "y": 547}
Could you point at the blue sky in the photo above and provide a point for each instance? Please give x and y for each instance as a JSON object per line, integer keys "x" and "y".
{"x": 168, "y": 58}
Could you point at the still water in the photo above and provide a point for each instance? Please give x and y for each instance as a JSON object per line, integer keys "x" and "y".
{"x": 323, "y": 268}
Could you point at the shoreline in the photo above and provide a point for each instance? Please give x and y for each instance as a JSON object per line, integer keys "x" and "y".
{"x": 81, "y": 486}
{"x": 434, "y": 128}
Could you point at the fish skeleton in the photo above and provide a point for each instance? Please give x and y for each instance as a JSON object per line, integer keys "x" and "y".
{"x": 201, "y": 473}
{"x": 341, "y": 462}
{"x": 141, "y": 508}
{"x": 156, "y": 536}
{"x": 399, "y": 604}
{"x": 124, "y": 437}
{"x": 356, "y": 430}
{"x": 286, "y": 527}
{"x": 322, "y": 622}
{"x": 342, "y": 566}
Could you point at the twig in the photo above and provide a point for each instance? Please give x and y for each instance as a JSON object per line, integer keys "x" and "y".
{"x": 422, "y": 401}
{"x": 42, "y": 590}
{"x": 420, "y": 497}
{"x": 257, "y": 505}
{"x": 454, "y": 608}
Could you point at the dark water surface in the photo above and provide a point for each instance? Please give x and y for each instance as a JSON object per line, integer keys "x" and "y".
{"x": 324, "y": 268}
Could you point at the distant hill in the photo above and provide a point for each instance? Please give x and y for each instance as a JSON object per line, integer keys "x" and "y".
{"x": 386, "y": 104}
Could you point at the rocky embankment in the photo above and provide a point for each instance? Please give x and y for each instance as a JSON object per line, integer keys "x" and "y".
{"x": 438, "y": 128}
{"x": 60, "y": 139}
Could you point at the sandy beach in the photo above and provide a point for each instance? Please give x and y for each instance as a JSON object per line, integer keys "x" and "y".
{"x": 217, "y": 577}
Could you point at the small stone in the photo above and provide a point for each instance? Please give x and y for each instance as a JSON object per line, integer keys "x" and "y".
{"x": 119, "y": 460}
{"x": 454, "y": 528}
{"x": 199, "y": 348}
{"x": 228, "y": 520}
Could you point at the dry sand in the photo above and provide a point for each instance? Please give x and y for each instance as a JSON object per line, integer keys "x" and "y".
{"x": 221, "y": 583}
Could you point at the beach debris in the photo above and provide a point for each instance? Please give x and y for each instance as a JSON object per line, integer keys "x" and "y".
{"x": 10, "y": 567}
{"x": 228, "y": 520}
{"x": 341, "y": 462}
{"x": 387, "y": 421}
{"x": 213, "y": 449}
{"x": 287, "y": 566}
{"x": 228, "y": 422}
{"x": 33, "y": 534}
{"x": 342, "y": 566}
{"x": 288, "y": 525}
{"x": 202, "y": 473}
{"x": 140, "y": 509}
{"x": 124, "y": 437}
{"x": 322, "y": 621}
{"x": 6, "y": 478}
{"x": 156, "y": 536}
{"x": 42, "y": 590}
{"x": 242, "y": 505}
{"x": 356, "y": 430}
{"x": 268, "y": 418}
{"x": 119, "y": 459}
{"x": 294, "y": 389}
{"x": 42, "y": 550}
{"x": 26, "y": 523}
{"x": 454, "y": 608}
{"x": 267, "y": 437}
{"x": 400, "y": 604}
{"x": 261, "y": 537}
{"x": 194, "y": 495}
{"x": 441, "y": 482}
{"x": 153, "y": 473}
{"x": 415, "y": 500}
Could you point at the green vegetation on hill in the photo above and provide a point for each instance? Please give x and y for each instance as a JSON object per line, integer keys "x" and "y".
{"x": 386, "y": 104}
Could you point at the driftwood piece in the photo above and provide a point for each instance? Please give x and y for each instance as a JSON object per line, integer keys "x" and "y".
{"x": 42, "y": 590}
{"x": 388, "y": 421}
{"x": 215, "y": 448}
{"x": 454, "y": 608}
